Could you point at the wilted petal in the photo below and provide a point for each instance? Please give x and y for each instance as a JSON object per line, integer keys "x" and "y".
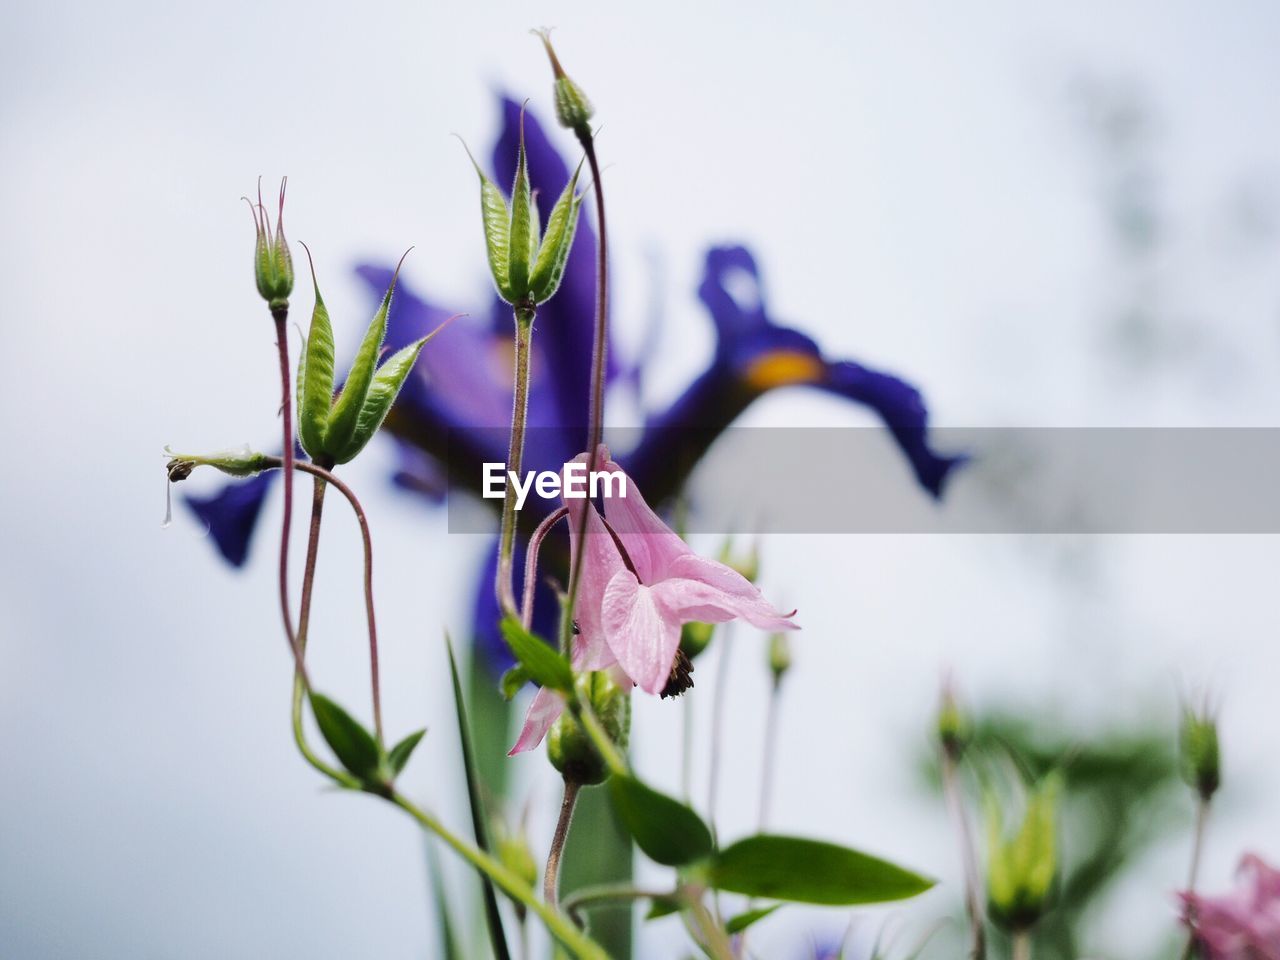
{"x": 641, "y": 632}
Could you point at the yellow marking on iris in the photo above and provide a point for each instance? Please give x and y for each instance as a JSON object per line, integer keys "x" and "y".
{"x": 782, "y": 368}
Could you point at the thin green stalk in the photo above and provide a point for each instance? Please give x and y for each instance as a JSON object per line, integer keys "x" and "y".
{"x": 551, "y": 876}
{"x": 770, "y": 752}
{"x": 599, "y": 349}
{"x": 1197, "y": 850}
{"x": 609, "y": 893}
{"x": 558, "y": 925}
{"x": 590, "y": 723}
{"x": 969, "y": 860}
{"x": 1022, "y": 945}
{"x": 503, "y": 588}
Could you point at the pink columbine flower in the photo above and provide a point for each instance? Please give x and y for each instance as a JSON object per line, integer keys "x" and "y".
{"x": 640, "y": 583}
{"x": 1243, "y": 924}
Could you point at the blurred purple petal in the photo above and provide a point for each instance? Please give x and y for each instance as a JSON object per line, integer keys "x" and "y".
{"x": 232, "y": 513}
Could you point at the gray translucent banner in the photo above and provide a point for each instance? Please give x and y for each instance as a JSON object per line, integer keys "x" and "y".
{"x": 857, "y": 480}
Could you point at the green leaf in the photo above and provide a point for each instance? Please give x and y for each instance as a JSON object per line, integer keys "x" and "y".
{"x": 479, "y": 817}
{"x": 542, "y": 664}
{"x": 665, "y": 829}
{"x": 350, "y": 742}
{"x": 449, "y": 946}
{"x": 400, "y": 753}
{"x": 315, "y": 379}
{"x": 522, "y": 239}
{"x": 556, "y": 244}
{"x": 662, "y": 908}
{"x": 513, "y": 681}
{"x": 743, "y": 920}
{"x": 345, "y": 415}
{"x": 809, "y": 871}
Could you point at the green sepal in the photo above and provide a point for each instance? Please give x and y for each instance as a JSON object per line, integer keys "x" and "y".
{"x": 666, "y": 830}
{"x": 399, "y": 755}
{"x": 345, "y": 415}
{"x": 523, "y": 238}
{"x": 315, "y": 379}
{"x": 351, "y": 743}
{"x": 382, "y": 393}
{"x": 541, "y": 662}
{"x": 556, "y": 243}
{"x": 809, "y": 871}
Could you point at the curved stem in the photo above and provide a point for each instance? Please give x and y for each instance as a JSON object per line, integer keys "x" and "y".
{"x": 969, "y": 860}
{"x": 599, "y": 349}
{"x": 551, "y": 877}
{"x": 318, "y": 471}
{"x": 515, "y": 454}
{"x": 558, "y": 925}
{"x": 606, "y": 893}
{"x": 304, "y": 620}
{"x": 531, "y": 563}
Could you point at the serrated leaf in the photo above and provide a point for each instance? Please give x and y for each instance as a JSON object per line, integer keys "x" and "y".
{"x": 400, "y": 753}
{"x": 479, "y": 817}
{"x": 315, "y": 380}
{"x": 665, "y": 829}
{"x": 522, "y": 239}
{"x": 345, "y": 415}
{"x": 809, "y": 871}
{"x": 743, "y": 920}
{"x": 350, "y": 742}
{"x": 542, "y": 664}
{"x": 562, "y": 225}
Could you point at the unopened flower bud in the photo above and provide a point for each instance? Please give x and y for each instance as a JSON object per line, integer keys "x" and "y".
{"x": 512, "y": 847}
{"x": 1198, "y": 752}
{"x": 747, "y": 564}
{"x": 694, "y": 638}
{"x": 1021, "y": 867}
{"x": 953, "y": 727}
{"x": 570, "y": 747}
{"x": 573, "y": 109}
{"x": 272, "y": 263}
{"x": 779, "y": 656}
{"x": 241, "y": 462}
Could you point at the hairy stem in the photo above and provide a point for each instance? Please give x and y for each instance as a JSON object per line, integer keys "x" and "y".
{"x": 559, "y": 926}
{"x": 969, "y": 862}
{"x": 551, "y": 877}
{"x": 281, "y": 315}
{"x": 599, "y": 349}
{"x": 503, "y": 588}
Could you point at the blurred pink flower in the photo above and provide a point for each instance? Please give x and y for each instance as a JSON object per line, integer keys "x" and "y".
{"x": 1243, "y": 924}
{"x": 640, "y": 584}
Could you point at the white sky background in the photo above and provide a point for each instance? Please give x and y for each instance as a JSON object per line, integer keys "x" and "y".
{"x": 926, "y": 192}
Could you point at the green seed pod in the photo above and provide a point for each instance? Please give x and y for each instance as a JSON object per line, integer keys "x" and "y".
{"x": 569, "y": 747}
{"x": 272, "y": 263}
{"x": 779, "y": 656}
{"x": 1198, "y": 751}
{"x": 240, "y": 462}
{"x": 952, "y": 724}
{"x": 1021, "y": 868}
{"x": 573, "y": 109}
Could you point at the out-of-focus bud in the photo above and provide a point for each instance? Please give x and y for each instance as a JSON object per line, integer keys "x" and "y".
{"x": 1198, "y": 752}
{"x": 747, "y": 564}
{"x": 570, "y": 748}
{"x": 240, "y": 462}
{"x": 779, "y": 656}
{"x": 512, "y": 848}
{"x": 573, "y": 109}
{"x": 694, "y": 638}
{"x": 1021, "y": 867}
{"x": 953, "y": 727}
{"x": 272, "y": 264}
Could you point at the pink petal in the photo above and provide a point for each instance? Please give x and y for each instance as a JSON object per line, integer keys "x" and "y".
{"x": 547, "y": 705}
{"x": 650, "y": 543}
{"x": 642, "y": 634}
{"x": 710, "y": 592}
{"x": 599, "y": 564}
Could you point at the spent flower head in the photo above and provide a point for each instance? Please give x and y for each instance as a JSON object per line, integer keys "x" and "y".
{"x": 272, "y": 263}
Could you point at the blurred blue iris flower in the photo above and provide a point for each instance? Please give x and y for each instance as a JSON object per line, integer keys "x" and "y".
{"x": 463, "y": 382}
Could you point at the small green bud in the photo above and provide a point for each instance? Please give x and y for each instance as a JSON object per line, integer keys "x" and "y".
{"x": 573, "y": 109}
{"x": 695, "y": 637}
{"x": 953, "y": 728}
{"x": 1198, "y": 752}
{"x": 779, "y": 656}
{"x": 240, "y": 462}
{"x": 1021, "y": 868}
{"x": 272, "y": 263}
{"x": 569, "y": 746}
{"x": 512, "y": 847}
{"x": 747, "y": 564}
